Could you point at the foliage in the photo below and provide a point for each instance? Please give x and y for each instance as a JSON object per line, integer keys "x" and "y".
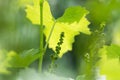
{"x": 69, "y": 23}
{"x": 90, "y": 57}
{"x": 25, "y": 58}
{"x": 12, "y": 59}
{"x": 110, "y": 66}
{"x": 5, "y": 58}
{"x": 113, "y": 51}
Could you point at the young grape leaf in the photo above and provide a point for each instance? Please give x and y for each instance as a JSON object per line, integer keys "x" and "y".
{"x": 71, "y": 23}
{"x": 33, "y": 13}
{"x": 110, "y": 67}
{"x": 113, "y": 51}
{"x": 5, "y": 58}
{"x": 25, "y": 59}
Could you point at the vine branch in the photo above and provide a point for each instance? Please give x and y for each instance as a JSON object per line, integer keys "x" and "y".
{"x": 41, "y": 37}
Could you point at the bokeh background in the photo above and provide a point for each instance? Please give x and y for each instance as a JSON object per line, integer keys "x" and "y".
{"x": 18, "y": 33}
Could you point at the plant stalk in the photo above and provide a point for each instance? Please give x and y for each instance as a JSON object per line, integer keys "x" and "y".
{"x": 41, "y": 38}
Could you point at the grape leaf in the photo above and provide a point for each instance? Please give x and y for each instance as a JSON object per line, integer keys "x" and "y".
{"x": 5, "y": 58}
{"x": 109, "y": 66}
{"x": 25, "y": 58}
{"x": 72, "y": 14}
{"x": 33, "y": 13}
{"x": 113, "y": 51}
{"x": 71, "y": 23}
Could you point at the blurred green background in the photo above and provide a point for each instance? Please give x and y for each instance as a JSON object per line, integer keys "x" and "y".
{"x": 18, "y": 33}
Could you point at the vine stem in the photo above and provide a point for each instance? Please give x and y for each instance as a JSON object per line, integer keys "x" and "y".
{"x": 41, "y": 38}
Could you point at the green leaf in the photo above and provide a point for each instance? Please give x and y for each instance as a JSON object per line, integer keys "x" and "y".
{"x": 33, "y": 13}
{"x": 113, "y": 51}
{"x": 71, "y": 23}
{"x": 5, "y": 58}
{"x": 25, "y": 59}
{"x": 110, "y": 67}
{"x": 73, "y": 14}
